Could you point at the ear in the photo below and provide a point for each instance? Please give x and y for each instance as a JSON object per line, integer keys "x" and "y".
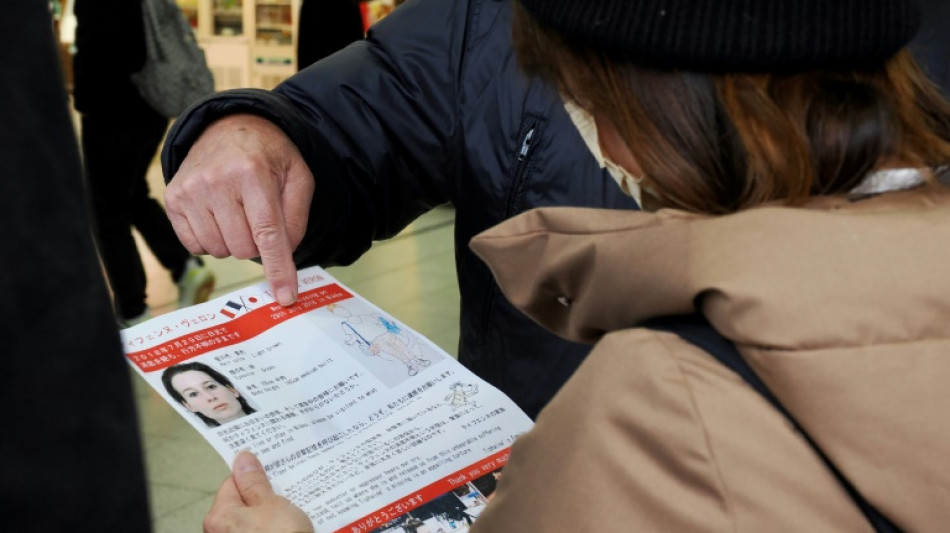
{"x": 234, "y": 392}
{"x": 187, "y": 406}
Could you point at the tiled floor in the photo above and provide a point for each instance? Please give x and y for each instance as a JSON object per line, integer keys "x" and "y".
{"x": 411, "y": 276}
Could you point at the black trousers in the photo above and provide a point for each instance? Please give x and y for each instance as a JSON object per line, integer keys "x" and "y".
{"x": 118, "y": 147}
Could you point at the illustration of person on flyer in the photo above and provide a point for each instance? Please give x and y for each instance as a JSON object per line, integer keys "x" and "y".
{"x": 377, "y": 335}
{"x": 461, "y": 394}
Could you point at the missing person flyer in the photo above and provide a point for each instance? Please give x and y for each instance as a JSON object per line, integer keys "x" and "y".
{"x": 357, "y": 419}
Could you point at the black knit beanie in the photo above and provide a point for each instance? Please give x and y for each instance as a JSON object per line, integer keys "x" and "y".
{"x": 736, "y": 35}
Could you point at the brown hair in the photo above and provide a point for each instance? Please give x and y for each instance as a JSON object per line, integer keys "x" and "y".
{"x": 716, "y": 143}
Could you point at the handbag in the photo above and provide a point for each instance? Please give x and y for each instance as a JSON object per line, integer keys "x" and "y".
{"x": 175, "y": 73}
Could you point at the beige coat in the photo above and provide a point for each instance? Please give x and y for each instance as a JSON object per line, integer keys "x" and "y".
{"x": 842, "y": 308}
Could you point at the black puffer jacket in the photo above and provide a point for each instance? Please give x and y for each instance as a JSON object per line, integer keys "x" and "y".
{"x": 429, "y": 109}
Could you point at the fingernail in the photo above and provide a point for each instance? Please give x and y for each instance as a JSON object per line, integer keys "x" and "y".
{"x": 246, "y": 462}
{"x": 285, "y": 297}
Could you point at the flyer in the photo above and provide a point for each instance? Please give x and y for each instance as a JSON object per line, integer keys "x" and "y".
{"x": 357, "y": 419}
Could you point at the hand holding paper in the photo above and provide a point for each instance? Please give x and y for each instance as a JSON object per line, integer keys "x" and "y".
{"x": 246, "y": 503}
{"x": 362, "y": 422}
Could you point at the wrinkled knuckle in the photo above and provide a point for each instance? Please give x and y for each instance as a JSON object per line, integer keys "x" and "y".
{"x": 254, "y": 489}
{"x": 267, "y": 235}
{"x": 174, "y": 195}
{"x": 245, "y": 251}
{"x": 219, "y": 251}
{"x": 253, "y": 170}
{"x": 190, "y": 180}
{"x": 192, "y": 246}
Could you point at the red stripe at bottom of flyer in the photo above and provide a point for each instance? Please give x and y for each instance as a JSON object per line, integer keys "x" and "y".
{"x": 418, "y": 498}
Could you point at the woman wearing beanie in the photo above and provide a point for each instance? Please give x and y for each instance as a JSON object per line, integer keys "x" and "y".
{"x": 771, "y": 340}
{"x": 789, "y": 151}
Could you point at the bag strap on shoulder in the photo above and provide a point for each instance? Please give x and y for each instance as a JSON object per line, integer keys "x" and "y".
{"x": 698, "y": 331}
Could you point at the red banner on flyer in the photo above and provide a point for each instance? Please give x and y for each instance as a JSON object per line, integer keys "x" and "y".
{"x": 240, "y": 328}
{"x": 428, "y": 493}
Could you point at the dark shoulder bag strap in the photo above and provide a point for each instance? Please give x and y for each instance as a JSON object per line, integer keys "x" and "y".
{"x": 697, "y": 330}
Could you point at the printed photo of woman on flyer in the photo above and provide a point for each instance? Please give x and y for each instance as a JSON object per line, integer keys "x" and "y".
{"x": 205, "y": 392}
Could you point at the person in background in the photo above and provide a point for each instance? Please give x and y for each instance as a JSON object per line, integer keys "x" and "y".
{"x": 120, "y": 135}
{"x": 744, "y": 377}
{"x": 70, "y": 437}
{"x": 772, "y": 348}
{"x": 326, "y": 26}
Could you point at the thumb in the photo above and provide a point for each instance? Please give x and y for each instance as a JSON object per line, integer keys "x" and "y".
{"x": 250, "y": 479}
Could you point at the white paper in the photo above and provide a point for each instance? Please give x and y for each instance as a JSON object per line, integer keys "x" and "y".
{"x": 357, "y": 419}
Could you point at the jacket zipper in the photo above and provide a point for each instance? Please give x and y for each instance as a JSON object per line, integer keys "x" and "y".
{"x": 524, "y": 151}
{"x": 519, "y": 177}
{"x": 525, "y": 145}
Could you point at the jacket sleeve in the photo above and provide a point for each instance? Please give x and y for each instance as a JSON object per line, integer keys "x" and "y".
{"x": 377, "y": 123}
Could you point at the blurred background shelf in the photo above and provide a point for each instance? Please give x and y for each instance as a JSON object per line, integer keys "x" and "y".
{"x": 247, "y": 43}
{"x": 235, "y": 34}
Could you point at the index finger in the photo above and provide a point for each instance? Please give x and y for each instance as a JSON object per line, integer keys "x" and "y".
{"x": 266, "y": 221}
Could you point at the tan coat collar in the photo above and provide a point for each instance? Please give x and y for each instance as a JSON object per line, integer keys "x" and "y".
{"x": 838, "y": 272}
{"x": 843, "y": 309}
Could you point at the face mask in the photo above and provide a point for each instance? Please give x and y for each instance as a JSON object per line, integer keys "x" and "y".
{"x": 584, "y": 122}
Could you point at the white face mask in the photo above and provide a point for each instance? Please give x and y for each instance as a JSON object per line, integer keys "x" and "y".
{"x": 584, "y": 122}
